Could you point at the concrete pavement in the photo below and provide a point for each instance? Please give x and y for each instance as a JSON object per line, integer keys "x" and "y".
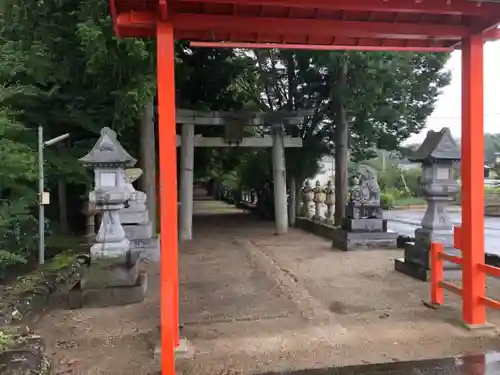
{"x": 405, "y": 222}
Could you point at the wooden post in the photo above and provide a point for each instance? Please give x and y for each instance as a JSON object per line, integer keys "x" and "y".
{"x": 472, "y": 232}
{"x": 437, "y": 293}
{"x": 168, "y": 195}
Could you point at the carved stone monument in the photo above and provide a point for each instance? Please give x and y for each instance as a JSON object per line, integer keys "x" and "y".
{"x": 437, "y": 154}
{"x": 364, "y": 226}
{"x": 135, "y": 217}
{"x": 113, "y": 277}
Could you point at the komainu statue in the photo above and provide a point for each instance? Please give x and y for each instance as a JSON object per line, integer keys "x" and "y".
{"x": 364, "y": 200}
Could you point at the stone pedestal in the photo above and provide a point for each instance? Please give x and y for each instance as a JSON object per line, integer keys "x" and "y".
{"x": 416, "y": 261}
{"x": 365, "y": 233}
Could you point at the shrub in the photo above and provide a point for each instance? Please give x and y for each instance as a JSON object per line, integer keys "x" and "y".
{"x": 18, "y": 233}
{"x": 387, "y": 201}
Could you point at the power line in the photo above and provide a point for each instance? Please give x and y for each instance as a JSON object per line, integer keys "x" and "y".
{"x": 458, "y": 117}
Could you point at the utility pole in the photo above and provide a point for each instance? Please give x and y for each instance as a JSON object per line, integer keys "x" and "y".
{"x": 41, "y": 208}
{"x": 42, "y": 199}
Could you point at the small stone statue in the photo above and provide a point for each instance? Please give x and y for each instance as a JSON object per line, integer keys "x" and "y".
{"x": 307, "y": 198}
{"x": 318, "y": 200}
{"x": 329, "y": 201}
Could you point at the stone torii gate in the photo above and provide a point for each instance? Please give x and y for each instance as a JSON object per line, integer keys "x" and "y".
{"x": 234, "y": 124}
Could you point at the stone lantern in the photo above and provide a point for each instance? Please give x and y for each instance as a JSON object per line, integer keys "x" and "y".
{"x": 437, "y": 155}
{"x": 113, "y": 277}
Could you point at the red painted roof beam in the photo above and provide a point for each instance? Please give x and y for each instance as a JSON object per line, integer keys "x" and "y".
{"x": 351, "y": 29}
{"x": 318, "y": 47}
{"x": 451, "y": 7}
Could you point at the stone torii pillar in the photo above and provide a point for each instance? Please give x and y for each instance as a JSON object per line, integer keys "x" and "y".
{"x": 186, "y": 185}
{"x": 279, "y": 177}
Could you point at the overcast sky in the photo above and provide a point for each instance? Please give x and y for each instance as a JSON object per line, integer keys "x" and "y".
{"x": 448, "y": 107}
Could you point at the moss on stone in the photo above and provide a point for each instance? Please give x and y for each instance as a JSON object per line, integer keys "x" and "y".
{"x": 60, "y": 261}
{"x": 7, "y": 339}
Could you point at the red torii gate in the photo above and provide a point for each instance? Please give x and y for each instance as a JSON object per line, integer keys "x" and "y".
{"x": 369, "y": 25}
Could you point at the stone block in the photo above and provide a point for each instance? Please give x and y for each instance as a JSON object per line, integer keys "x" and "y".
{"x": 133, "y": 217}
{"x": 364, "y": 225}
{"x": 105, "y": 274}
{"x": 112, "y": 296}
{"x": 144, "y": 244}
{"x": 345, "y": 240}
{"x": 110, "y": 249}
{"x": 418, "y": 272}
{"x": 139, "y": 231}
{"x": 424, "y": 237}
{"x": 184, "y": 351}
{"x": 320, "y": 229}
{"x": 421, "y": 256}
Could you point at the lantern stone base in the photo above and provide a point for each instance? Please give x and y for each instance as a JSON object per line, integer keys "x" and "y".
{"x": 106, "y": 273}
{"x": 416, "y": 262}
{"x": 110, "y": 282}
{"x": 348, "y": 240}
{"x": 109, "y": 296}
{"x": 418, "y": 272}
{"x": 143, "y": 245}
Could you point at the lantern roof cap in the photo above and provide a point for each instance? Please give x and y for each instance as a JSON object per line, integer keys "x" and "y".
{"x": 438, "y": 145}
{"x": 108, "y": 152}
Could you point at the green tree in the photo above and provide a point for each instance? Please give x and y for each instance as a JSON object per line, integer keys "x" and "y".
{"x": 17, "y": 179}
{"x": 388, "y": 97}
{"x": 63, "y": 69}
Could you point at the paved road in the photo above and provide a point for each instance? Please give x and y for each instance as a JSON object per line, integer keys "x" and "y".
{"x": 405, "y": 222}
{"x": 483, "y": 364}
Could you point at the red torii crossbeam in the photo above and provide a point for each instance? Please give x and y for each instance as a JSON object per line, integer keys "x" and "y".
{"x": 402, "y": 25}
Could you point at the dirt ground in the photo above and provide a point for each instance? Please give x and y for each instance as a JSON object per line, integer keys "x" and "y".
{"x": 252, "y": 302}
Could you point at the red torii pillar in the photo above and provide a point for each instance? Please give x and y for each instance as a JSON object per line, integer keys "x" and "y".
{"x": 472, "y": 231}
{"x": 168, "y": 192}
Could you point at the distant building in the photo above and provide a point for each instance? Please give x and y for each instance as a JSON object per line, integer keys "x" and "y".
{"x": 326, "y": 171}
{"x": 407, "y": 165}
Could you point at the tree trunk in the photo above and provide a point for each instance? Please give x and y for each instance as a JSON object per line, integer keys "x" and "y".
{"x": 148, "y": 160}
{"x": 341, "y": 147}
{"x": 63, "y": 205}
{"x": 62, "y": 196}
